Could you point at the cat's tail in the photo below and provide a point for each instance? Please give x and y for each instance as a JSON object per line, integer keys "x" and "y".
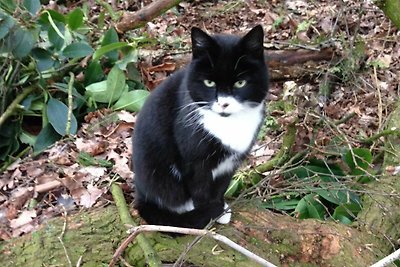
{"x": 197, "y": 218}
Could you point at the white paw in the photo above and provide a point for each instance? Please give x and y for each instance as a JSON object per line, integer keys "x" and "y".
{"x": 226, "y": 217}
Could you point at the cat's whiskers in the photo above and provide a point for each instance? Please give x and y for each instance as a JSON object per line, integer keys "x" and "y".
{"x": 192, "y": 104}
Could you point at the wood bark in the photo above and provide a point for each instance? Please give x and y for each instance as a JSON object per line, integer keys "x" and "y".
{"x": 133, "y": 20}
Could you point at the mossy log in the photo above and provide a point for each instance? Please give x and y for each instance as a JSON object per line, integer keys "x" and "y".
{"x": 280, "y": 239}
{"x": 391, "y": 8}
{"x": 94, "y": 236}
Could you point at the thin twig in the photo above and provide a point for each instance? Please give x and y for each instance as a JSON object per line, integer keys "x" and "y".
{"x": 388, "y": 259}
{"x": 190, "y": 231}
{"x": 79, "y": 262}
{"x": 345, "y": 118}
{"x": 126, "y": 218}
{"x": 70, "y": 103}
{"x": 60, "y": 237}
{"x": 380, "y": 108}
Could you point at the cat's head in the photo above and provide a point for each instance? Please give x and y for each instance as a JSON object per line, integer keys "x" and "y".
{"x": 228, "y": 74}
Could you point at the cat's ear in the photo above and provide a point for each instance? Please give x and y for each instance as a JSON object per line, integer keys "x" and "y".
{"x": 201, "y": 42}
{"x": 253, "y": 42}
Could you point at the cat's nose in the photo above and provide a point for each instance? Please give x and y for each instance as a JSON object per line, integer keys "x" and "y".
{"x": 224, "y": 105}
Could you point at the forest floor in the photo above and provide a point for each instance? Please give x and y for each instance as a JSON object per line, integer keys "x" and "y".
{"x": 359, "y": 86}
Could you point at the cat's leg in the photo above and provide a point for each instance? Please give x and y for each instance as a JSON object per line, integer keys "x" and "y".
{"x": 221, "y": 185}
{"x": 226, "y": 217}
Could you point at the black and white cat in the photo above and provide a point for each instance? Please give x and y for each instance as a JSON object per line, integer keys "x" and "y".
{"x": 197, "y": 127}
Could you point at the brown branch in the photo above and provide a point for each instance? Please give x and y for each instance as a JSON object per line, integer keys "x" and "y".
{"x": 138, "y": 19}
{"x": 188, "y": 231}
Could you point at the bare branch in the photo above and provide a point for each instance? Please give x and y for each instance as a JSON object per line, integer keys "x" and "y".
{"x": 189, "y": 231}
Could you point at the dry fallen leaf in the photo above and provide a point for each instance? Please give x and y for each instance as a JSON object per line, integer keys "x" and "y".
{"x": 90, "y": 196}
{"x": 25, "y": 217}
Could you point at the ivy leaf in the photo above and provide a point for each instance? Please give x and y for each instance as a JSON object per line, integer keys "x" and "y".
{"x": 77, "y": 50}
{"x": 57, "y": 113}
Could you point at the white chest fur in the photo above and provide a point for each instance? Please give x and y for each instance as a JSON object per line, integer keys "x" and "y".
{"x": 235, "y": 131}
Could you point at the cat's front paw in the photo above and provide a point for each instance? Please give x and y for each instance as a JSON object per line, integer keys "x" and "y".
{"x": 226, "y": 217}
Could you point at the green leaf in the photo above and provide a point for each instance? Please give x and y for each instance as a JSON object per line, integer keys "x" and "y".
{"x": 310, "y": 207}
{"x": 6, "y": 23}
{"x": 23, "y": 42}
{"x": 130, "y": 57}
{"x": 46, "y": 137}
{"x": 346, "y": 213}
{"x": 77, "y": 50}
{"x": 108, "y": 48}
{"x": 98, "y": 91}
{"x": 93, "y": 72}
{"x": 44, "y": 59}
{"x": 86, "y": 159}
{"x": 54, "y": 37}
{"x": 33, "y": 6}
{"x": 9, "y": 5}
{"x": 55, "y": 16}
{"x": 234, "y": 187}
{"x": 75, "y": 19}
{"x": 27, "y": 138}
{"x": 281, "y": 203}
{"x": 132, "y": 101}
{"x": 57, "y": 112}
{"x": 111, "y": 37}
{"x": 9, "y": 140}
{"x": 134, "y": 75}
{"x": 360, "y": 162}
{"x": 115, "y": 84}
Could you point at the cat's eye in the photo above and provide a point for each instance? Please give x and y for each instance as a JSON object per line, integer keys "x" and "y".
{"x": 209, "y": 83}
{"x": 240, "y": 83}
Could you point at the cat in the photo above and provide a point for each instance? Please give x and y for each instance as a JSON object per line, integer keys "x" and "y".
{"x": 197, "y": 127}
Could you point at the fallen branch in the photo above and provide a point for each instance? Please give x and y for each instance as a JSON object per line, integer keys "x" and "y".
{"x": 388, "y": 259}
{"x": 375, "y": 137}
{"x": 138, "y": 19}
{"x": 126, "y": 218}
{"x": 189, "y": 231}
{"x": 11, "y": 108}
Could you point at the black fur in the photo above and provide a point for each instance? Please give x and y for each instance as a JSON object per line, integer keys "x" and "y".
{"x": 168, "y": 137}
